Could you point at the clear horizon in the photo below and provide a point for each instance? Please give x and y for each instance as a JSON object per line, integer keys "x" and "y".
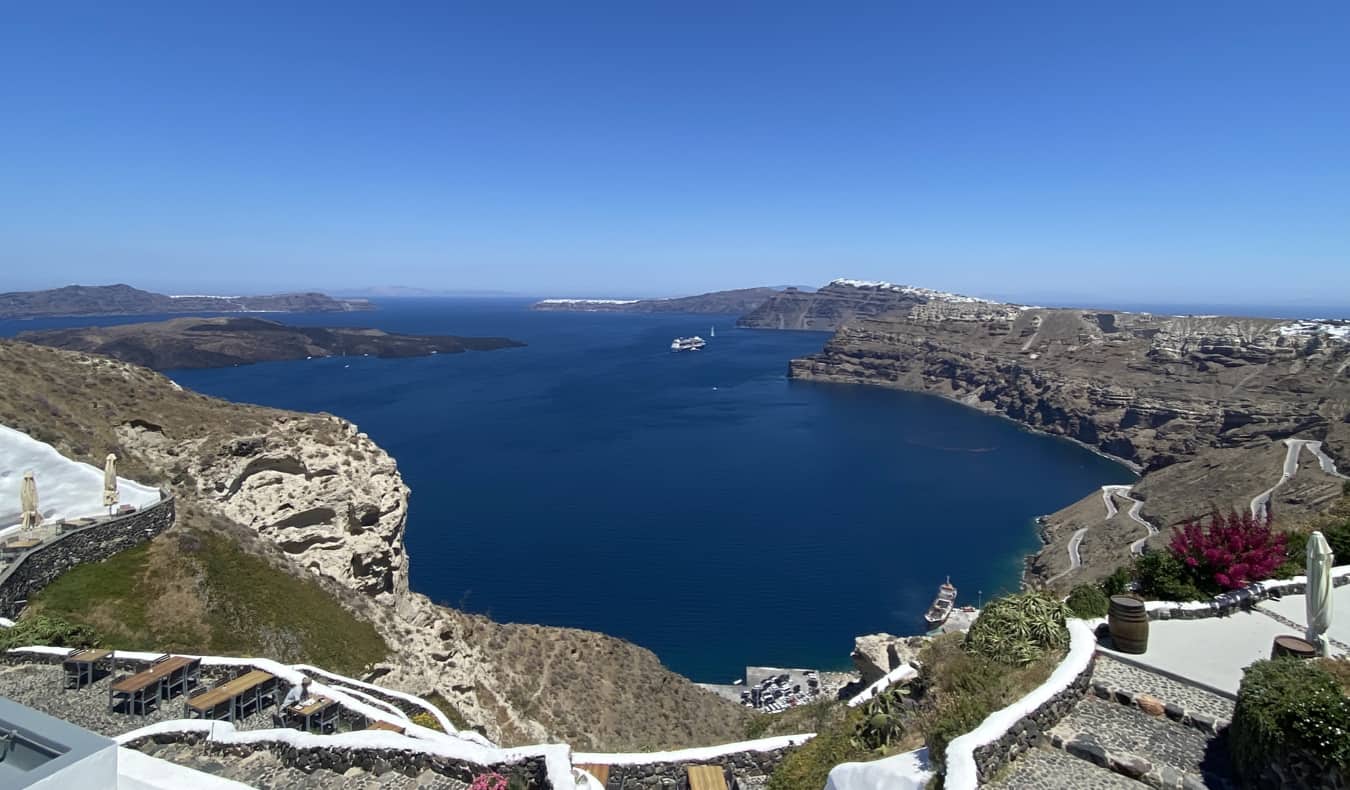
{"x": 1043, "y": 153}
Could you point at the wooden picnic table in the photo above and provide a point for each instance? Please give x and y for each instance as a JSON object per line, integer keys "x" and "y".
{"x": 315, "y": 707}
{"x": 230, "y": 695}
{"x": 384, "y": 725}
{"x": 79, "y": 666}
{"x": 136, "y": 687}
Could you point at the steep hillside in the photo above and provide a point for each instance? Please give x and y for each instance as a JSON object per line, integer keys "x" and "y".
{"x": 322, "y": 500}
{"x": 1195, "y": 402}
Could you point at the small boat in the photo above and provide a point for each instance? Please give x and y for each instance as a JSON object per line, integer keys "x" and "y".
{"x": 942, "y": 605}
{"x": 712, "y": 332}
{"x": 687, "y": 343}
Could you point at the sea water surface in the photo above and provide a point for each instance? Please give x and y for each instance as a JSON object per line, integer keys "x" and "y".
{"x": 699, "y": 504}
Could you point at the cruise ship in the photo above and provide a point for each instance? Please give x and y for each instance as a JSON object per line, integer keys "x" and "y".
{"x": 687, "y": 343}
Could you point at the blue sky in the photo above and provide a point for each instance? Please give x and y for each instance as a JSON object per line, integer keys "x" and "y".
{"x": 1183, "y": 152}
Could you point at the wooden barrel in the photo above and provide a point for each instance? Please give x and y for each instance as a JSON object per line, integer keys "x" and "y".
{"x": 1128, "y": 621}
{"x": 1293, "y": 646}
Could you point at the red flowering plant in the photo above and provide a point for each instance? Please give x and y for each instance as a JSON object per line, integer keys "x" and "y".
{"x": 489, "y": 781}
{"x": 1231, "y": 551}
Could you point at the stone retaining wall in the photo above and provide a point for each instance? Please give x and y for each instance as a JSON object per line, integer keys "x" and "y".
{"x": 742, "y": 765}
{"x": 1228, "y": 603}
{"x": 38, "y": 567}
{"x": 1030, "y": 730}
{"x": 376, "y": 761}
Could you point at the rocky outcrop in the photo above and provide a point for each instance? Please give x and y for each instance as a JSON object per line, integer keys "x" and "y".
{"x": 1171, "y": 395}
{"x": 845, "y": 301}
{"x": 875, "y": 655}
{"x": 223, "y": 342}
{"x": 125, "y": 300}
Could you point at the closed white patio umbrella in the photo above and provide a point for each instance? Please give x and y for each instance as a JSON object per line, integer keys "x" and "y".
{"x": 1320, "y": 561}
{"x": 110, "y": 482}
{"x": 28, "y": 501}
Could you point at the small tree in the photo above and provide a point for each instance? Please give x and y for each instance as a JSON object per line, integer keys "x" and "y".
{"x": 1232, "y": 551}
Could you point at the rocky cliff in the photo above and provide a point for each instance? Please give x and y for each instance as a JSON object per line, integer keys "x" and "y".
{"x": 325, "y": 495}
{"x": 841, "y": 302}
{"x": 222, "y": 342}
{"x": 1194, "y": 402}
{"x": 125, "y": 300}
{"x": 735, "y": 302}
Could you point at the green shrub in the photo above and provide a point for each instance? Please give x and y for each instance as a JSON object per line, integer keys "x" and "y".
{"x": 41, "y": 629}
{"x": 1163, "y": 576}
{"x": 1087, "y": 601}
{"x": 882, "y": 723}
{"x": 958, "y": 689}
{"x": 1285, "y": 707}
{"x": 425, "y": 719}
{"x": 1118, "y": 582}
{"x": 1018, "y": 629}
{"x": 808, "y": 767}
{"x": 1338, "y": 537}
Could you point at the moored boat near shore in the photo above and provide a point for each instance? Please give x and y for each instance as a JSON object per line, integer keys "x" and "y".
{"x": 941, "y": 607}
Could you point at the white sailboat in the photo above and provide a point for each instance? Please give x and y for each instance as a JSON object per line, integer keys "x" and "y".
{"x": 712, "y": 332}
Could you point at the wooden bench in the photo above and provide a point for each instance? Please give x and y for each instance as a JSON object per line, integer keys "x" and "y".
{"x": 386, "y": 726}
{"x": 237, "y": 697}
{"x": 600, "y": 772}
{"x": 79, "y": 667}
{"x": 16, "y": 546}
{"x": 707, "y": 777}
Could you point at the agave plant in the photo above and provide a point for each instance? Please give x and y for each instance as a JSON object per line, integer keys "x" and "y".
{"x": 882, "y": 723}
{"x": 1018, "y": 629}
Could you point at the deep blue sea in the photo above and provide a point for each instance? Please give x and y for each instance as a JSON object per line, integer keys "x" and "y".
{"x": 699, "y": 504}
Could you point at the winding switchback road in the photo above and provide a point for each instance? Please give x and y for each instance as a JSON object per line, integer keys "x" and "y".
{"x": 1261, "y": 502}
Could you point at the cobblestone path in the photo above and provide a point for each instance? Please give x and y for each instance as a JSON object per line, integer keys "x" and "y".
{"x": 1044, "y": 768}
{"x": 1117, "y": 737}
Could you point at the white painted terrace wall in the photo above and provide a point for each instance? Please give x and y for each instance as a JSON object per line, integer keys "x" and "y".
{"x": 962, "y": 773}
{"x": 66, "y": 488}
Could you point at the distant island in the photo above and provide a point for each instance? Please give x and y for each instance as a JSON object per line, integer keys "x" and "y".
{"x": 738, "y": 302}
{"x": 225, "y": 342}
{"x": 126, "y": 300}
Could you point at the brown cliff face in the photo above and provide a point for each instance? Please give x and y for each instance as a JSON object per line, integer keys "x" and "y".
{"x": 828, "y": 308}
{"x": 1195, "y": 402}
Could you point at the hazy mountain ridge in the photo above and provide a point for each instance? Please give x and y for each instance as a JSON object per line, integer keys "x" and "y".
{"x": 122, "y": 299}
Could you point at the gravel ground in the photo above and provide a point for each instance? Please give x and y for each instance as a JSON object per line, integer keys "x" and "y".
{"x": 1119, "y": 675}
{"x": 263, "y": 770}
{"x": 41, "y": 686}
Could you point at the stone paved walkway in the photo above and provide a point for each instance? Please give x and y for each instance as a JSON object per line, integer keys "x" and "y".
{"x": 1109, "y": 740}
{"x": 1044, "y": 768}
{"x": 265, "y": 771}
{"x": 1126, "y": 731}
{"x": 1119, "y": 675}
